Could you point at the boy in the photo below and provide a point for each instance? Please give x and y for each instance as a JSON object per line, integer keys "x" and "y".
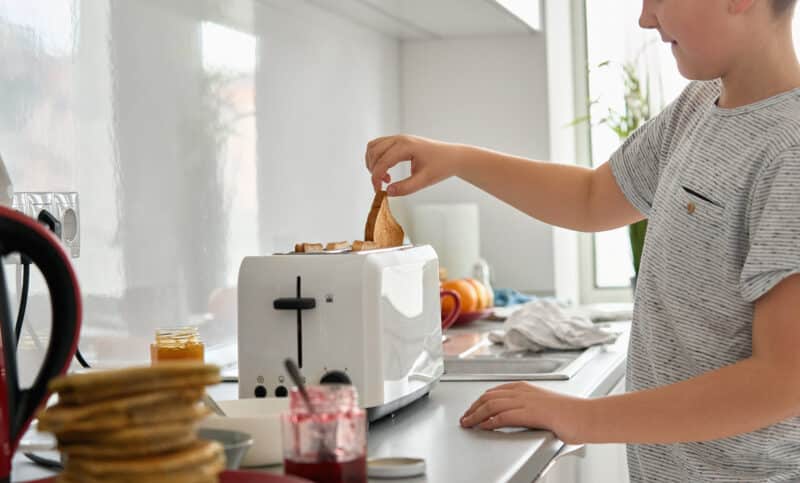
{"x": 714, "y": 360}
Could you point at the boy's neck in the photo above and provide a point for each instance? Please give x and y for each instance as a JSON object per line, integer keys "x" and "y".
{"x": 770, "y": 67}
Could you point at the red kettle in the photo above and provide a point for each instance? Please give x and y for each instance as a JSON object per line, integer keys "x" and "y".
{"x": 24, "y": 235}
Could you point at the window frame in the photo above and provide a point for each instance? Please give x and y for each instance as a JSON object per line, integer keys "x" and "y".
{"x": 588, "y": 290}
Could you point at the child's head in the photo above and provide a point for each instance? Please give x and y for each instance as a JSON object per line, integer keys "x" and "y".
{"x": 710, "y": 37}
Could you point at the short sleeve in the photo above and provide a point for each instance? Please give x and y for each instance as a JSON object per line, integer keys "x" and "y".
{"x": 635, "y": 164}
{"x": 773, "y": 223}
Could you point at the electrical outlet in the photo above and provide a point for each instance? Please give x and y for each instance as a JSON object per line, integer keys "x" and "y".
{"x": 64, "y": 206}
{"x": 67, "y": 210}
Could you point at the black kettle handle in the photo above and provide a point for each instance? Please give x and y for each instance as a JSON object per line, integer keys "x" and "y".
{"x": 21, "y": 234}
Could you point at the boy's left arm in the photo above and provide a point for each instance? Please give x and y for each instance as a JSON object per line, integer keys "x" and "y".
{"x": 756, "y": 392}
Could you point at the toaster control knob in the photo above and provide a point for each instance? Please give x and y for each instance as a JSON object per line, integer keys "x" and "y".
{"x": 335, "y": 377}
{"x": 281, "y": 391}
{"x": 261, "y": 391}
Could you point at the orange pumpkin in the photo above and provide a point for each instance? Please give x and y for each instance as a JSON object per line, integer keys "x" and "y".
{"x": 469, "y": 296}
{"x": 484, "y": 299}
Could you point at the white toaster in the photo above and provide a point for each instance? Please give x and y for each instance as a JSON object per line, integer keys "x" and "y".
{"x": 371, "y": 318}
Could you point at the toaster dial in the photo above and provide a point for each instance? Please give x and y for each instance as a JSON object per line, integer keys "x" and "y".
{"x": 335, "y": 377}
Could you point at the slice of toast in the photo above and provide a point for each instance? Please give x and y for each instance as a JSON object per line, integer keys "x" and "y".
{"x": 360, "y": 246}
{"x": 308, "y": 247}
{"x": 381, "y": 226}
{"x": 337, "y": 245}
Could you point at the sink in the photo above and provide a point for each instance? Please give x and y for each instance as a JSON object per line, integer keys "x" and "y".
{"x": 471, "y": 356}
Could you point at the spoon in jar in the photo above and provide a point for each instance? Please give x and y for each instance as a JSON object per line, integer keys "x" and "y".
{"x": 325, "y": 453}
{"x": 212, "y": 404}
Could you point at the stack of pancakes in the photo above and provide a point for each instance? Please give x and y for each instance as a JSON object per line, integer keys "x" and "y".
{"x": 134, "y": 425}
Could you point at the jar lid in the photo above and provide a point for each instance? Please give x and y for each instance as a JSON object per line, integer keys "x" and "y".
{"x": 180, "y": 336}
{"x": 395, "y": 467}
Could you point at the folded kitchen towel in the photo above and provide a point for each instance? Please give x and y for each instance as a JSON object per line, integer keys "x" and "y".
{"x": 543, "y": 324}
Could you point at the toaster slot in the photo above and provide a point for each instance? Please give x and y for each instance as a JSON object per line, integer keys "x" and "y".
{"x": 298, "y": 303}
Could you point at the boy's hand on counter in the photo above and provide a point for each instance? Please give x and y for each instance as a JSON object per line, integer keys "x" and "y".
{"x": 431, "y": 162}
{"x": 520, "y": 404}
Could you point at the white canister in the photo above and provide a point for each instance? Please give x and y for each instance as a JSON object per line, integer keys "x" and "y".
{"x": 453, "y": 230}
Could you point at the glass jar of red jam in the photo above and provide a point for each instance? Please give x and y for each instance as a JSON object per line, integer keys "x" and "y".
{"x": 328, "y": 445}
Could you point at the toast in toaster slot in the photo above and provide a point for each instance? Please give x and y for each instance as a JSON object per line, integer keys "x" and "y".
{"x": 308, "y": 247}
{"x": 360, "y": 246}
{"x": 342, "y": 245}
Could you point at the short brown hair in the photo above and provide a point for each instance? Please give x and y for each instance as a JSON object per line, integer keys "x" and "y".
{"x": 782, "y": 6}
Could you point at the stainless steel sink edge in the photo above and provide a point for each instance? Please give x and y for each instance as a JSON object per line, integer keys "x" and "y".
{"x": 461, "y": 371}
{"x": 550, "y": 376}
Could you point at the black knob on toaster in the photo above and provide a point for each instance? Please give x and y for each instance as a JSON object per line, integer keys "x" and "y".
{"x": 335, "y": 377}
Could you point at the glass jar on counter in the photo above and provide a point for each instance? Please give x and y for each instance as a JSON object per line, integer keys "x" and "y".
{"x": 330, "y": 444}
{"x": 177, "y": 344}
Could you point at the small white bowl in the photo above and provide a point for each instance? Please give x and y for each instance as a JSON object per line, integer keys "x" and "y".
{"x": 258, "y": 417}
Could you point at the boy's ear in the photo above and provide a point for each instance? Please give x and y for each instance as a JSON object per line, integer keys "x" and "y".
{"x": 737, "y": 7}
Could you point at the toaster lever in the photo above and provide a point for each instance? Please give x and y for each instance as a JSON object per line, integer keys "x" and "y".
{"x": 294, "y": 303}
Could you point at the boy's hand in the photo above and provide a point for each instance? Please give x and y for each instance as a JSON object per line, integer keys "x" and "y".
{"x": 431, "y": 162}
{"x": 520, "y": 404}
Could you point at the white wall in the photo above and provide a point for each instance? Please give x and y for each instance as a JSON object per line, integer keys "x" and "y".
{"x": 191, "y": 145}
{"x": 491, "y": 92}
{"x": 198, "y": 132}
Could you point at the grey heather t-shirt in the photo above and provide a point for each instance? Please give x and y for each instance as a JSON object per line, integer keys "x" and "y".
{"x": 721, "y": 191}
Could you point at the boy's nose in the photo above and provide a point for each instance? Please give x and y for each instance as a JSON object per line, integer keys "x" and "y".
{"x": 647, "y": 20}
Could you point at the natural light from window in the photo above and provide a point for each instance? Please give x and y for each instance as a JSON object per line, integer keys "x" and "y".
{"x": 614, "y": 35}
{"x": 49, "y": 25}
{"x": 229, "y": 60}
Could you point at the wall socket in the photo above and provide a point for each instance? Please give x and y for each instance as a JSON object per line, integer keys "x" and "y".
{"x": 63, "y": 205}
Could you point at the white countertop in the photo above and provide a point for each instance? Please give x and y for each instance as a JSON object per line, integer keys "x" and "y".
{"x": 429, "y": 428}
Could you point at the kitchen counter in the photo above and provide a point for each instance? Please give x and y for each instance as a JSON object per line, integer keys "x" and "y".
{"x": 429, "y": 428}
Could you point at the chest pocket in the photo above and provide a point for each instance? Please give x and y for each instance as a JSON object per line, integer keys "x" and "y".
{"x": 691, "y": 239}
{"x": 704, "y": 215}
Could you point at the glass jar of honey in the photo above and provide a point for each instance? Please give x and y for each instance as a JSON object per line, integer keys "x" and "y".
{"x": 177, "y": 344}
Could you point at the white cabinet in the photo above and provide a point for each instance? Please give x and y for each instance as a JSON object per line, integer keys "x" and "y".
{"x": 595, "y": 463}
{"x": 528, "y": 11}
{"x": 438, "y": 19}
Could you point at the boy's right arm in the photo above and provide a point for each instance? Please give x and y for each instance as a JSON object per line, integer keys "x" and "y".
{"x": 572, "y": 197}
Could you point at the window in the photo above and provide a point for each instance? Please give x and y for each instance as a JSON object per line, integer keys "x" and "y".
{"x": 613, "y": 37}
{"x": 613, "y": 34}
